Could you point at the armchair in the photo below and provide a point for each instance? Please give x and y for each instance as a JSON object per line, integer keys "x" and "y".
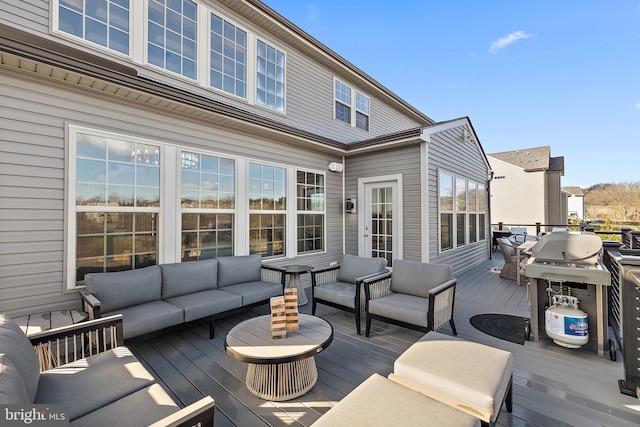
{"x": 414, "y": 295}
{"x": 340, "y": 286}
{"x": 511, "y": 261}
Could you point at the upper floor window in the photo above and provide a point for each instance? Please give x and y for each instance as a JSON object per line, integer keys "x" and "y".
{"x": 172, "y": 36}
{"x": 103, "y": 22}
{"x": 270, "y": 76}
{"x": 228, "y": 57}
{"x": 351, "y": 106}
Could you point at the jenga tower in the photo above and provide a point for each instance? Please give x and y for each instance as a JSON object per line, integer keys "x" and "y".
{"x": 278, "y": 318}
{"x": 291, "y": 308}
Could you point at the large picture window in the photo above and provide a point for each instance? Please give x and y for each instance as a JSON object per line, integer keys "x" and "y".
{"x": 310, "y": 203}
{"x": 461, "y": 204}
{"x": 117, "y": 201}
{"x": 207, "y": 200}
{"x": 267, "y": 209}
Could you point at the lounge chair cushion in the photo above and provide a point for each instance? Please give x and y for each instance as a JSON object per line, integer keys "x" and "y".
{"x": 466, "y": 375}
{"x": 340, "y": 293}
{"x": 206, "y": 303}
{"x": 91, "y": 383}
{"x": 379, "y": 401}
{"x": 405, "y": 308}
{"x": 148, "y": 317}
{"x": 417, "y": 278}
{"x": 353, "y": 267}
{"x": 12, "y": 387}
{"x": 189, "y": 277}
{"x": 121, "y": 289}
{"x": 239, "y": 269}
{"x": 142, "y": 408}
{"x": 20, "y": 352}
{"x": 252, "y": 292}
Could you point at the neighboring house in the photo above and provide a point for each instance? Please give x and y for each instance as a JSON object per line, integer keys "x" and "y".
{"x": 135, "y": 133}
{"x": 526, "y": 188}
{"x": 576, "y": 208}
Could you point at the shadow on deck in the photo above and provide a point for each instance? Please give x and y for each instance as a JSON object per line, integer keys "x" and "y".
{"x": 553, "y": 386}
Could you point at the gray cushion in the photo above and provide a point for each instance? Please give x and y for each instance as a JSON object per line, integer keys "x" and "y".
{"x": 149, "y": 317}
{"x": 205, "y": 303}
{"x": 125, "y": 288}
{"x": 17, "y": 347}
{"x": 353, "y": 267}
{"x": 239, "y": 269}
{"x": 12, "y": 389}
{"x": 142, "y": 408}
{"x": 88, "y": 384}
{"x": 252, "y": 292}
{"x": 339, "y": 293}
{"x": 417, "y": 278}
{"x": 406, "y": 308}
{"x": 189, "y": 277}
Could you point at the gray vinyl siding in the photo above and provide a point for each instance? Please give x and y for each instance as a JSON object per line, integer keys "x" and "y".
{"x": 404, "y": 161}
{"x": 33, "y": 118}
{"x": 447, "y": 152}
{"x": 309, "y": 84}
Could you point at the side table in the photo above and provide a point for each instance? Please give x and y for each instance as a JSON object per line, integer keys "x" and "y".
{"x": 294, "y": 272}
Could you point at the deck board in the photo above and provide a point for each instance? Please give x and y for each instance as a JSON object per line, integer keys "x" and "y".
{"x": 553, "y": 386}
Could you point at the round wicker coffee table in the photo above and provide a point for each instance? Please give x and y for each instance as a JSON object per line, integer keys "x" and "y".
{"x": 284, "y": 368}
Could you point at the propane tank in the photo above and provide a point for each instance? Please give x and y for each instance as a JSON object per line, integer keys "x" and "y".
{"x": 565, "y": 323}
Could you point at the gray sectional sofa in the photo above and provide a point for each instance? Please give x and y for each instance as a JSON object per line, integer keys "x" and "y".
{"x": 110, "y": 388}
{"x": 155, "y": 299}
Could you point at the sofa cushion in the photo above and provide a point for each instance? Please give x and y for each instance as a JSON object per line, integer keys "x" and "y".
{"x": 12, "y": 388}
{"x": 121, "y": 289}
{"x": 418, "y": 278}
{"x": 188, "y": 277}
{"x": 206, "y": 303}
{"x": 353, "y": 267}
{"x": 91, "y": 383}
{"x": 239, "y": 269}
{"x": 253, "y": 292}
{"x": 142, "y": 408}
{"x": 149, "y": 317}
{"x": 17, "y": 347}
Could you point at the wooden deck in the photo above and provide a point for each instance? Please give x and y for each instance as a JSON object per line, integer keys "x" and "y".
{"x": 553, "y": 386}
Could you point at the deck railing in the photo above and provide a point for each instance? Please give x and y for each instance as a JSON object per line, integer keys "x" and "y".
{"x": 628, "y": 237}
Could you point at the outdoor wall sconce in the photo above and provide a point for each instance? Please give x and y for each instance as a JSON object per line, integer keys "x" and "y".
{"x": 335, "y": 167}
{"x": 350, "y": 205}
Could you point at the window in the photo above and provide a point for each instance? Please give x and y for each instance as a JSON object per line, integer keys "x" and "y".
{"x": 117, "y": 201}
{"x": 228, "y": 57}
{"x": 105, "y": 22}
{"x": 349, "y": 108}
{"x": 310, "y": 201}
{"x": 267, "y": 209}
{"x": 172, "y": 36}
{"x": 207, "y": 200}
{"x": 445, "y": 199}
{"x": 270, "y": 77}
{"x": 466, "y": 216}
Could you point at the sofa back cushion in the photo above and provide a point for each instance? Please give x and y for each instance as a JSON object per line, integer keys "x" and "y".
{"x": 125, "y": 288}
{"x": 353, "y": 267}
{"x": 18, "y": 354}
{"x": 189, "y": 277}
{"x": 239, "y": 269}
{"x": 418, "y": 278}
{"x": 12, "y": 387}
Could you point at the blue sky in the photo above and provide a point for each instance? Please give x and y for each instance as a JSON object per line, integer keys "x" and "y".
{"x": 527, "y": 73}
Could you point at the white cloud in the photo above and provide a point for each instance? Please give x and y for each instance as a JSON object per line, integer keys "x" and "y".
{"x": 505, "y": 41}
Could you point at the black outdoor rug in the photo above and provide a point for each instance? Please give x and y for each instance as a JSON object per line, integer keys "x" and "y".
{"x": 503, "y": 326}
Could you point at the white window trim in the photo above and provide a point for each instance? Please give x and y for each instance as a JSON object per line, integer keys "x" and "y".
{"x": 294, "y": 191}
{"x": 352, "y": 105}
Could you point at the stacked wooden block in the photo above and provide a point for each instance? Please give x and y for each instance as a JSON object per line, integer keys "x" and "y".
{"x": 284, "y": 313}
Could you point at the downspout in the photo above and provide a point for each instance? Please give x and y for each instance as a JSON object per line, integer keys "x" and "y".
{"x": 344, "y": 210}
{"x": 490, "y": 239}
